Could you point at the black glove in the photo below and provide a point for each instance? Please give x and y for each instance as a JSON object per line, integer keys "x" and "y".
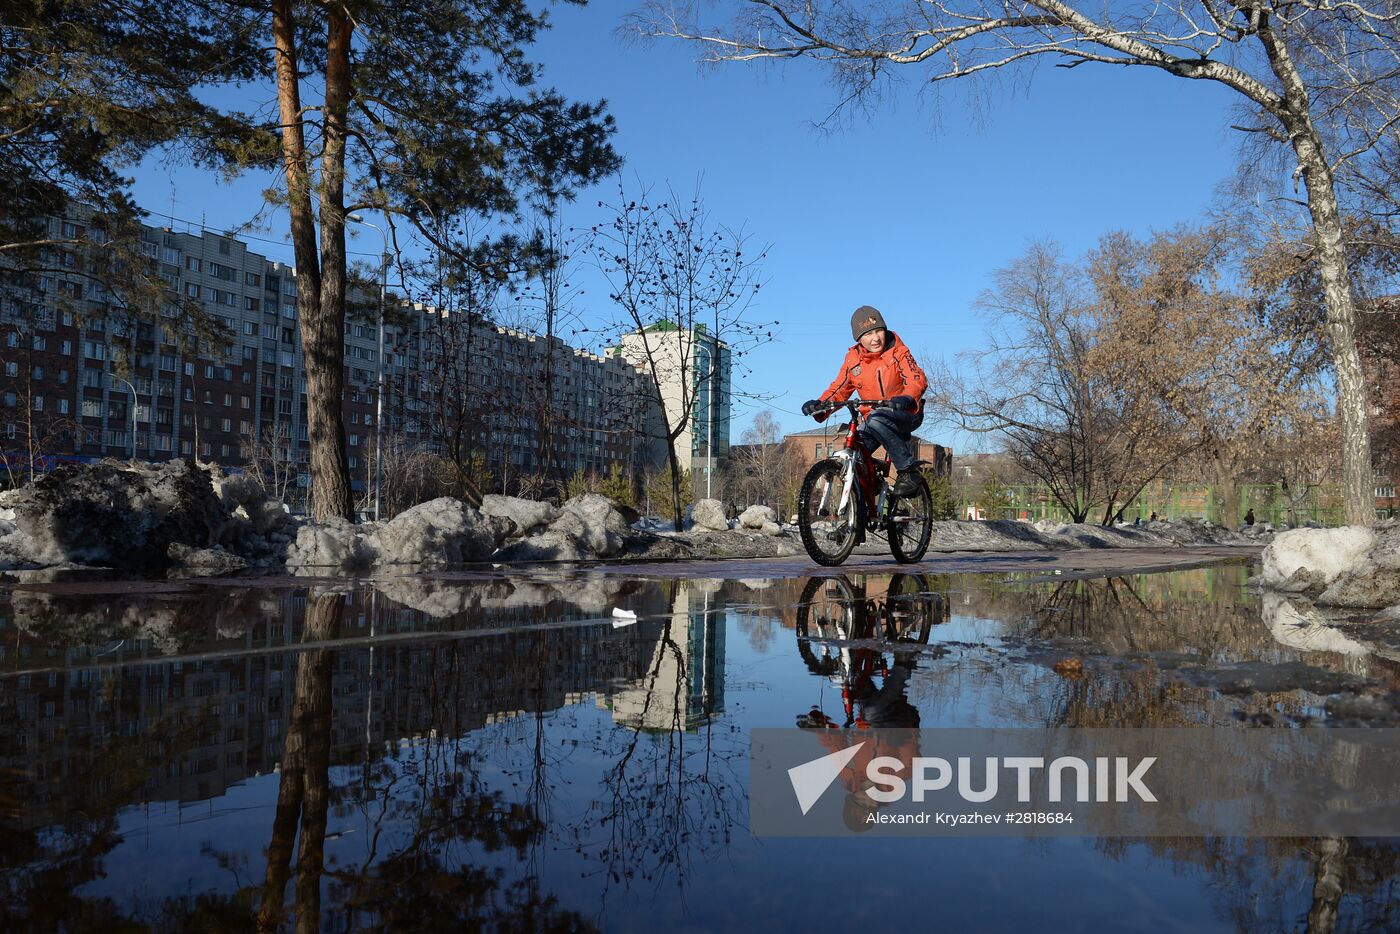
{"x": 902, "y": 403}
{"x": 811, "y": 406}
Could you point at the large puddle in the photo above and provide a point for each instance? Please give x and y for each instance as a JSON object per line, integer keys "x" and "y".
{"x": 457, "y": 751}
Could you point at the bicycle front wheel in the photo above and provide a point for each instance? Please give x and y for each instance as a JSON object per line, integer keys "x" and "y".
{"x": 911, "y": 524}
{"x": 828, "y": 515}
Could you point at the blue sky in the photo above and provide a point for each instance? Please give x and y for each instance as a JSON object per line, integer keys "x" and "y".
{"x": 910, "y": 210}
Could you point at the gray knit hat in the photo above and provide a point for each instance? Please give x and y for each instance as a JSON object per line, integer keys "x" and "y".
{"x": 865, "y": 319}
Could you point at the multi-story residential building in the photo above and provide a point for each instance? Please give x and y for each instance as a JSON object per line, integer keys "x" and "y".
{"x": 81, "y": 383}
{"x": 692, "y": 371}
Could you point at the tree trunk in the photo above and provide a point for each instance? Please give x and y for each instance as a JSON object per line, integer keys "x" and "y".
{"x": 1327, "y": 885}
{"x": 1353, "y": 401}
{"x": 674, "y": 461}
{"x": 318, "y": 357}
{"x": 323, "y": 335}
{"x": 1229, "y": 500}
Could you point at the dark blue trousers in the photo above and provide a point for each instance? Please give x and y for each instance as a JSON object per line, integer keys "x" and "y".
{"x": 892, "y": 430}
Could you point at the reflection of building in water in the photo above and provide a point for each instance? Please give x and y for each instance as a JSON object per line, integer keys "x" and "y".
{"x": 683, "y": 685}
{"x": 86, "y": 739}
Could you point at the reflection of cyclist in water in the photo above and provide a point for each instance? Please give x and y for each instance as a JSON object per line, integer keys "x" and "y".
{"x": 843, "y": 634}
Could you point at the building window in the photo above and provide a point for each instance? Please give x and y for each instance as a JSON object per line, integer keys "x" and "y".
{"x": 92, "y": 408}
{"x": 38, "y": 342}
{"x": 11, "y": 368}
{"x": 62, "y": 406}
{"x": 354, "y": 441}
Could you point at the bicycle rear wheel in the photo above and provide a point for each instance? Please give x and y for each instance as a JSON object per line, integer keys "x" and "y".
{"x": 910, "y": 609}
{"x": 829, "y": 526}
{"x": 910, "y": 524}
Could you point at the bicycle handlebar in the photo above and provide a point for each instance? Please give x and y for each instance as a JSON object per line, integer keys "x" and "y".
{"x": 851, "y": 404}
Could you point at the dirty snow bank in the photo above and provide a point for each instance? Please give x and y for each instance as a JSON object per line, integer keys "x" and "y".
{"x": 1015, "y": 535}
{"x": 149, "y": 517}
{"x": 1348, "y": 567}
{"x": 1343, "y": 567}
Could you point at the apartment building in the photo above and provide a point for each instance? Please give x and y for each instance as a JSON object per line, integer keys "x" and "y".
{"x": 693, "y": 370}
{"x": 80, "y": 382}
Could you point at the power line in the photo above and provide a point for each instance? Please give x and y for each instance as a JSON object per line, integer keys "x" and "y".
{"x": 245, "y": 236}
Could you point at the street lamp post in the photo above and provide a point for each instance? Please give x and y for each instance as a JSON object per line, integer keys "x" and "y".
{"x": 379, "y": 363}
{"x": 133, "y": 413}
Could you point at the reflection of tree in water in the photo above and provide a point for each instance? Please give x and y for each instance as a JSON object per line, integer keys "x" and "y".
{"x": 674, "y": 790}
{"x": 1146, "y": 614}
{"x": 303, "y": 795}
{"x": 1260, "y": 884}
{"x": 1288, "y": 883}
{"x": 436, "y": 811}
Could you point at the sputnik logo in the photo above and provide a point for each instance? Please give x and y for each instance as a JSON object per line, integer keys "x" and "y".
{"x": 811, "y": 779}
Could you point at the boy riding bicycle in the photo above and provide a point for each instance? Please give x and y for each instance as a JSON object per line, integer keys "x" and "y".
{"x": 880, "y": 366}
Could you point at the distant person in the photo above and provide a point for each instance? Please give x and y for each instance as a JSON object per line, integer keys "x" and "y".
{"x": 1153, "y": 517}
{"x": 1249, "y": 517}
{"x": 880, "y": 366}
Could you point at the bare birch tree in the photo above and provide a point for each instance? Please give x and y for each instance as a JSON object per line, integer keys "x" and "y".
{"x": 269, "y": 457}
{"x": 681, "y": 286}
{"x": 1319, "y": 78}
{"x": 763, "y": 470}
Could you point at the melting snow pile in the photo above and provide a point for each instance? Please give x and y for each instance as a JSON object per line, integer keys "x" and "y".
{"x": 1347, "y": 567}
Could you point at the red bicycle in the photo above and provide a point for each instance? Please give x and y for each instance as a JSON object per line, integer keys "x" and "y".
{"x": 848, "y": 494}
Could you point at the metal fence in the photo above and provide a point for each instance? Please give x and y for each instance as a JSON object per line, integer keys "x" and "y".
{"x": 1269, "y": 502}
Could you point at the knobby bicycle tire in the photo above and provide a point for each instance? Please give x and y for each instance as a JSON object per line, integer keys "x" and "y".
{"x": 920, "y": 507}
{"x": 818, "y": 541}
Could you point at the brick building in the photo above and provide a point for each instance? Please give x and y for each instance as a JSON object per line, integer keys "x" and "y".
{"x": 808, "y": 447}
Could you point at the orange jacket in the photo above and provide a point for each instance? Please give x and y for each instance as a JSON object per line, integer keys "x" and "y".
{"x": 889, "y": 373}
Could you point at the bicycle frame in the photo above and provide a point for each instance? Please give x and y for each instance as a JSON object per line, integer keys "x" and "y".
{"x": 862, "y": 475}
